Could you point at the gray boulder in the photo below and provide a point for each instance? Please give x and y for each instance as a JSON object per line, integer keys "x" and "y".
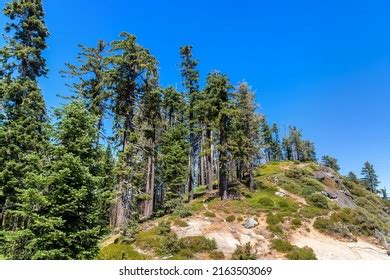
{"x": 250, "y": 223}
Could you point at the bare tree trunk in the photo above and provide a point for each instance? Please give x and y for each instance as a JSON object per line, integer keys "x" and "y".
{"x": 150, "y": 178}
{"x": 251, "y": 179}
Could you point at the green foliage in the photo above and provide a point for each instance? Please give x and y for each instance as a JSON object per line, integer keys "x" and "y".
{"x": 370, "y": 178}
{"x": 244, "y": 252}
{"x": 296, "y": 222}
{"x": 216, "y": 255}
{"x": 304, "y": 253}
{"x": 282, "y": 246}
{"x": 330, "y": 162}
{"x": 318, "y": 200}
{"x": 120, "y": 252}
{"x": 209, "y": 214}
{"x": 266, "y": 202}
{"x": 230, "y": 218}
{"x": 197, "y": 243}
{"x": 180, "y": 223}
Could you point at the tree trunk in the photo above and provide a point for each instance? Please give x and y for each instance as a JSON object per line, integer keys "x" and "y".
{"x": 148, "y": 204}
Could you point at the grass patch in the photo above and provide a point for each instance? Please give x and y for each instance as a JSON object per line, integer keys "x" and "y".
{"x": 197, "y": 243}
{"x": 180, "y": 223}
{"x": 120, "y": 252}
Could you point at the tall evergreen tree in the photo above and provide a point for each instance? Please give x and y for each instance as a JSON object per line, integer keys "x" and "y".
{"x": 244, "y": 139}
{"x": 218, "y": 90}
{"x": 370, "y": 178}
{"x": 173, "y": 154}
{"x": 190, "y": 81}
{"x": 151, "y": 122}
{"x": 91, "y": 80}
{"x": 132, "y": 67}
{"x": 266, "y": 139}
{"x": 23, "y": 131}
{"x": 275, "y": 144}
{"x": 73, "y": 188}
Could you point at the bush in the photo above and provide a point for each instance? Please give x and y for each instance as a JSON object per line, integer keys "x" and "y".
{"x": 296, "y": 222}
{"x": 183, "y": 212}
{"x": 180, "y": 223}
{"x": 183, "y": 254}
{"x": 216, "y": 255}
{"x": 230, "y": 219}
{"x": 304, "y": 253}
{"x": 281, "y": 245}
{"x": 163, "y": 228}
{"x": 266, "y": 201}
{"x": 283, "y": 204}
{"x": 240, "y": 219}
{"x": 244, "y": 252}
{"x": 209, "y": 214}
{"x": 197, "y": 243}
{"x": 277, "y": 229}
{"x": 318, "y": 200}
{"x": 120, "y": 252}
{"x": 274, "y": 219}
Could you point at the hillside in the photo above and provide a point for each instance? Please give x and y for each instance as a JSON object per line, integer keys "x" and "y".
{"x": 298, "y": 211}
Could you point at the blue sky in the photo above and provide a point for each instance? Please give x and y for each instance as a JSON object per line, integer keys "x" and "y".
{"x": 321, "y": 65}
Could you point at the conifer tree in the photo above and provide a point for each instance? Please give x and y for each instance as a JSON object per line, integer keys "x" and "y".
{"x": 73, "y": 188}
{"x": 266, "y": 139}
{"x": 23, "y": 131}
{"x": 151, "y": 122}
{"x": 218, "y": 90}
{"x": 190, "y": 77}
{"x": 352, "y": 176}
{"x": 244, "y": 139}
{"x": 370, "y": 178}
{"x": 132, "y": 67}
{"x": 275, "y": 144}
{"x": 173, "y": 154}
{"x": 330, "y": 162}
{"x": 91, "y": 80}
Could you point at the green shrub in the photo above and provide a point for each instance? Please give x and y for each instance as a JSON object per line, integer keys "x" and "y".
{"x": 197, "y": 243}
{"x": 168, "y": 245}
{"x": 183, "y": 254}
{"x": 273, "y": 219}
{"x": 266, "y": 201}
{"x": 180, "y": 223}
{"x": 277, "y": 229}
{"x": 304, "y": 253}
{"x": 294, "y": 173}
{"x": 120, "y": 252}
{"x": 318, "y": 200}
{"x": 281, "y": 245}
{"x": 240, "y": 219}
{"x": 209, "y": 214}
{"x": 322, "y": 224}
{"x": 310, "y": 211}
{"x": 296, "y": 222}
{"x": 216, "y": 255}
{"x": 230, "y": 218}
{"x": 283, "y": 204}
{"x": 244, "y": 252}
{"x": 183, "y": 212}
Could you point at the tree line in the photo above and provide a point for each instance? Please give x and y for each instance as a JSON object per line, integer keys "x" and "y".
{"x": 65, "y": 181}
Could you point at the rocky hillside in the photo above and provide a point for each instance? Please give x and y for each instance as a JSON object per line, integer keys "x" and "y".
{"x": 298, "y": 211}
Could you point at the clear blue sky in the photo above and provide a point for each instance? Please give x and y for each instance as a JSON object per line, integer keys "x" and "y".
{"x": 324, "y": 67}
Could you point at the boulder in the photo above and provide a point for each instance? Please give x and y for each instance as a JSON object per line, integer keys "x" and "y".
{"x": 280, "y": 193}
{"x": 250, "y": 223}
{"x": 330, "y": 194}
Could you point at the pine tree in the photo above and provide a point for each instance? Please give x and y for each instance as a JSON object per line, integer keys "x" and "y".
{"x": 91, "y": 80}
{"x": 151, "y": 122}
{"x": 244, "y": 139}
{"x": 384, "y": 193}
{"x": 370, "y": 178}
{"x": 132, "y": 67}
{"x": 275, "y": 144}
{"x": 330, "y": 162}
{"x": 352, "y": 176}
{"x": 190, "y": 81}
{"x": 218, "y": 91}
{"x": 73, "y": 187}
{"x": 23, "y": 132}
{"x": 266, "y": 139}
{"x": 173, "y": 153}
